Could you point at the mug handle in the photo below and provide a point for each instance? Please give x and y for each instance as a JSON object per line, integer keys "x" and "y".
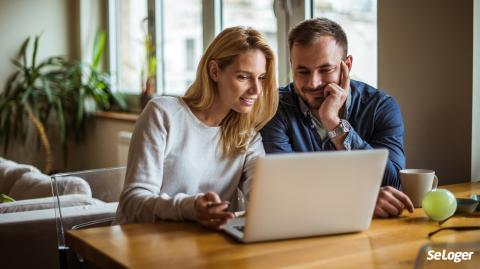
{"x": 435, "y": 182}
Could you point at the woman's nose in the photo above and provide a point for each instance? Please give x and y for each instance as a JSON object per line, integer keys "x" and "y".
{"x": 255, "y": 87}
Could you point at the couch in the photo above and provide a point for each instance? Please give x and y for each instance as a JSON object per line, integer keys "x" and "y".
{"x": 28, "y": 227}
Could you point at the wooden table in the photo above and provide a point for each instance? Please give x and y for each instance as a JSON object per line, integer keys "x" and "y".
{"x": 388, "y": 243}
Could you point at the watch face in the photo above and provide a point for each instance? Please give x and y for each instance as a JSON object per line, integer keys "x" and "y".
{"x": 345, "y": 126}
{"x": 342, "y": 128}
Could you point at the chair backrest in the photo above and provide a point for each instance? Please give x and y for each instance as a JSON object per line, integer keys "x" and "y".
{"x": 84, "y": 199}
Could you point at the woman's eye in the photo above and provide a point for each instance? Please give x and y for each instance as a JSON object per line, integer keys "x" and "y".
{"x": 242, "y": 77}
{"x": 262, "y": 78}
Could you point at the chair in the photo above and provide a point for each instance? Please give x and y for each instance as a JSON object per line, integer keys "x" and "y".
{"x": 77, "y": 208}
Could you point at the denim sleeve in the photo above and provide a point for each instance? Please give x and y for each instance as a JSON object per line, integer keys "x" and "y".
{"x": 387, "y": 133}
{"x": 274, "y": 134}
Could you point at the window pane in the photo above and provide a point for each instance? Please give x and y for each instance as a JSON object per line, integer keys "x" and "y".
{"x": 358, "y": 19}
{"x": 254, "y": 13}
{"x": 183, "y": 44}
{"x": 131, "y": 53}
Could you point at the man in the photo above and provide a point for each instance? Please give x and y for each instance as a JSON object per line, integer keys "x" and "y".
{"x": 324, "y": 110}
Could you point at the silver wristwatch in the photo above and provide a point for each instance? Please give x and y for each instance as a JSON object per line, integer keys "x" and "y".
{"x": 342, "y": 128}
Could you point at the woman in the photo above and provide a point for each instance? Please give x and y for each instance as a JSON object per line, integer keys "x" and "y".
{"x": 189, "y": 155}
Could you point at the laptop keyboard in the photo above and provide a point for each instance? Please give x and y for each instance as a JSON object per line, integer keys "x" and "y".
{"x": 240, "y": 228}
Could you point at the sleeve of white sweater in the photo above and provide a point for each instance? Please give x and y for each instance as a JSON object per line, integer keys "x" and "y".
{"x": 254, "y": 151}
{"x": 141, "y": 200}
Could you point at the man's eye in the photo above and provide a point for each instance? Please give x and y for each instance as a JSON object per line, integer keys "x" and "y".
{"x": 303, "y": 72}
{"x": 329, "y": 70}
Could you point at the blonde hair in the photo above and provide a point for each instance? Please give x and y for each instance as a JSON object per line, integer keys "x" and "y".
{"x": 236, "y": 128}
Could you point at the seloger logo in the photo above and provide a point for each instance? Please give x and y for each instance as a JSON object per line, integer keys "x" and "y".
{"x": 455, "y": 256}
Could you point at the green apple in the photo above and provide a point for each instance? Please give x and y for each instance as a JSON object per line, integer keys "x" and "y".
{"x": 439, "y": 204}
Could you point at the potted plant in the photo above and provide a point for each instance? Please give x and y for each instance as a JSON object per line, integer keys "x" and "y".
{"x": 54, "y": 89}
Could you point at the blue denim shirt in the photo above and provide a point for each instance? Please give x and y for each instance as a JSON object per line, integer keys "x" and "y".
{"x": 376, "y": 123}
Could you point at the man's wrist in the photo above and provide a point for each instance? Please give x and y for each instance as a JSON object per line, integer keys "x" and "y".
{"x": 330, "y": 124}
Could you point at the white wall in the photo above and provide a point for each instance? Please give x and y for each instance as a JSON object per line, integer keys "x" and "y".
{"x": 425, "y": 62}
{"x": 20, "y": 19}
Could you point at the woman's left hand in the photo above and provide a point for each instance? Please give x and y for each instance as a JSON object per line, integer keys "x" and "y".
{"x": 210, "y": 211}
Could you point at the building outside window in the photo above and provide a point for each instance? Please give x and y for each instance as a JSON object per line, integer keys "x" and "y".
{"x": 182, "y": 39}
{"x": 254, "y": 13}
{"x": 359, "y": 20}
{"x": 130, "y": 52}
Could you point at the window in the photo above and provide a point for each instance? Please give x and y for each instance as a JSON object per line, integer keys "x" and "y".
{"x": 130, "y": 53}
{"x": 190, "y": 53}
{"x": 254, "y": 13}
{"x": 182, "y": 39}
{"x": 359, "y": 20}
{"x": 178, "y": 29}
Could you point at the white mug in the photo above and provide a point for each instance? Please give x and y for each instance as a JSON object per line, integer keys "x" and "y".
{"x": 416, "y": 183}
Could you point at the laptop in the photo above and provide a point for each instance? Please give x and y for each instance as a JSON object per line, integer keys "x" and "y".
{"x": 308, "y": 194}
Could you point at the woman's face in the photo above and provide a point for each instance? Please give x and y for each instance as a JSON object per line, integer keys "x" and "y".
{"x": 240, "y": 84}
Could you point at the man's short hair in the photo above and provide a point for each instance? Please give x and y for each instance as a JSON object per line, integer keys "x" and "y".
{"x": 310, "y": 30}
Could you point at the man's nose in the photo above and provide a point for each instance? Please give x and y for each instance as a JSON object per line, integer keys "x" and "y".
{"x": 314, "y": 80}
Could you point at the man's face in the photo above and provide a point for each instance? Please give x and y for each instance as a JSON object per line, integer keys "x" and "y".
{"x": 314, "y": 67}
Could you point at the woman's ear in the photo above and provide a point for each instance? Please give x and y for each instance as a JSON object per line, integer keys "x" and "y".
{"x": 213, "y": 70}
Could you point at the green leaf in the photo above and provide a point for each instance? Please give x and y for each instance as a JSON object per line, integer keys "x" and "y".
{"x": 6, "y": 199}
{"x": 35, "y": 48}
{"x": 19, "y": 65}
{"x": 80, "y": 108}
{"x": 9, "y": 84}
{"x": 17, "y": 122}
{"x": 55, "y": 61}
{"x": 26, "y": 95}
{"x": 48, "y": 91}
{"x": 152, "y": 65}
{"x": 98, "y": 47}
{"x": 23, "y": 51}
{"x": 6, "y": 137}
{"x": 61, "y": 120}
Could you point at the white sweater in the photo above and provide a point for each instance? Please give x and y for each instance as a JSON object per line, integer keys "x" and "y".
{"x": 174, "y": 157}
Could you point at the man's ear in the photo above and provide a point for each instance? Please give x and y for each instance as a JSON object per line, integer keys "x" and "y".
{"x": 213, "y": 70}
{"x": 349, "y": 62}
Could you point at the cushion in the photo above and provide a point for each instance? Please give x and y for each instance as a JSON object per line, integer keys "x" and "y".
{"x": 36, "y": 185}
{"x": 10, "y": 172}
{"x": 48, "y": 203}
